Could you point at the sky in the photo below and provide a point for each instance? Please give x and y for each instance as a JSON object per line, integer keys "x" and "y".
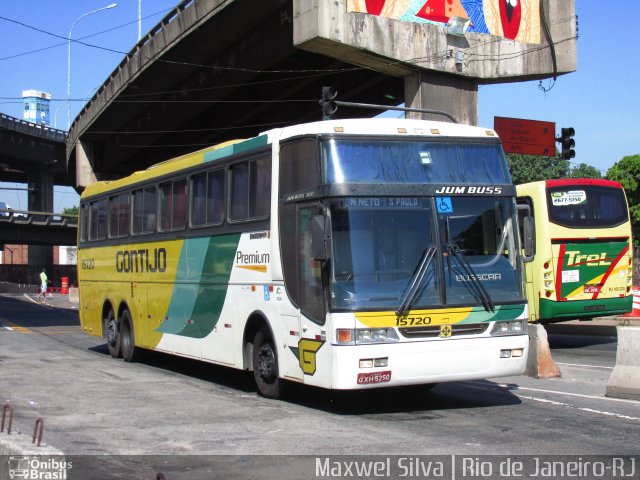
{"x": 601, "y": 100}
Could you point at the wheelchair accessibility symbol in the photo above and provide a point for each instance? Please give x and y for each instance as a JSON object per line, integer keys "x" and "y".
{"x": 444, "y": 204}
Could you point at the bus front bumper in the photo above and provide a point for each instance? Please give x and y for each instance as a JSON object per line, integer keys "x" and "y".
{"x": 423, "y": 362}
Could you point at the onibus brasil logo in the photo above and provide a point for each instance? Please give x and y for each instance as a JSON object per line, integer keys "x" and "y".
{"x": 38, "y": 467}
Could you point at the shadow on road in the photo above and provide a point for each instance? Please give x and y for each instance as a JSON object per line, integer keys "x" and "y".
{"x": 29, "y": 314}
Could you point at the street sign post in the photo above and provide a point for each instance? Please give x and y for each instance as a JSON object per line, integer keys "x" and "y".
{"x": 529, "y": 137}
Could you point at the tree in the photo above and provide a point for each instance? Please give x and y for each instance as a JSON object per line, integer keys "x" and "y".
{"x": 71, "y": 211}
{"x": 531, "y": 168}
{"x": 584, "y": 171}
{"x": 627, "y": 172}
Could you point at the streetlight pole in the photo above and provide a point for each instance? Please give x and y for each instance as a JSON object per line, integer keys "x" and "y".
{"x": 112, "y": 5}
{"x": 139, "y": 19}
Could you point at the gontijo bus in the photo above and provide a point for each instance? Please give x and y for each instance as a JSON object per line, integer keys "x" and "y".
{"x": 582, "y": 265}
{"x": 344, "y": 254}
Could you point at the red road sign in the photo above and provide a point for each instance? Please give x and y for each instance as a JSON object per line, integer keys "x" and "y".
{"x": 530, "y": 137}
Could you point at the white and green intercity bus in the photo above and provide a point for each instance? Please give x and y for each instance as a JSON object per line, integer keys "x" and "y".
{"x": 344, "y": 254}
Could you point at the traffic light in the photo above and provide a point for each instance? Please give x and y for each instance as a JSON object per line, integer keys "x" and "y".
{"x": 567, "y": 143}
{"x": 329, "y": 106}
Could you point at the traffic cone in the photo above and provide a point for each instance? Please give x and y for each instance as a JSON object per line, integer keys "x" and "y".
{"x": 635, "y": 312}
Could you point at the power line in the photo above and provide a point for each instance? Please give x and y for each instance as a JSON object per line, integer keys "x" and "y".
{"x": 81, "y": 38}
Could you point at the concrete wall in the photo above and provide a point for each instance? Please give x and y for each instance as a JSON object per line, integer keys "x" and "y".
{"x": 400, "y": 48}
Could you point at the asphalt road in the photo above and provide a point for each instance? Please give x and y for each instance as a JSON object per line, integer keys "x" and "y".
{"x": 176, "y": 409}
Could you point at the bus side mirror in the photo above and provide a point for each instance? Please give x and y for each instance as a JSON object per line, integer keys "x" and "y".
{"x": 319, "y": 238}
{"x": 527, "y": 232}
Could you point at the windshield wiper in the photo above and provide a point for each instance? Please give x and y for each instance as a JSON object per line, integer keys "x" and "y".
{"x": 455, "y": 251}
{"x": 416, "y": 280}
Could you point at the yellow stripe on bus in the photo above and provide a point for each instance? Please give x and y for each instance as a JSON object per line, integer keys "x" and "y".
{"x": 414, "y": 317}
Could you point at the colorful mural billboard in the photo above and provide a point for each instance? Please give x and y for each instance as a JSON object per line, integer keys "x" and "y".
{"x": 513, "y": 19}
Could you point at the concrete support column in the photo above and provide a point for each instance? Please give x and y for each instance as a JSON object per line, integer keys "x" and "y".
{"x": 40, "y": 199}
{"x": 455, "y": 95}
{"x": 85, "y": 157}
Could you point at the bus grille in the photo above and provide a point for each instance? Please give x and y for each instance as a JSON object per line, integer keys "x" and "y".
{"x": 433, "y": 332}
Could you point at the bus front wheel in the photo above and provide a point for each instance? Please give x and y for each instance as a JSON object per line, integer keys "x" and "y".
{"x": 129, "y": 350}
{"x": 265, "y": 366}
{"x": 112, "y": 334}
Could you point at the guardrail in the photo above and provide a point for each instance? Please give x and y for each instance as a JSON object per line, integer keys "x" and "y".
{"x": 31, "y": 128}
{"x": 135, "y": 51}
{"x": 29, "y": 217}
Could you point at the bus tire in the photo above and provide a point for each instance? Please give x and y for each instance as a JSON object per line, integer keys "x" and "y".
{"x": 265, "y": 365}
{"x": 112, "y": 334}
{"x": 129, "y": 350}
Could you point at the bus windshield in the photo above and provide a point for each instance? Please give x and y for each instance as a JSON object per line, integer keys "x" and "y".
{"x": 587, "y": 206}
{"x": 393, "y": 162}
{"x": 378, "y": 244}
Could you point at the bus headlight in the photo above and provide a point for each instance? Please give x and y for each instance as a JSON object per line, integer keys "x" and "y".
{"x": 366, "y": 335}
{"x": 515, "y": 327}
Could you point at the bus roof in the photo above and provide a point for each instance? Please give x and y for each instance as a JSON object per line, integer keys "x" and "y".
{"x": 381, "y": 126}
{"x": 359, "y": 126}
{"x": 567, "y": 182}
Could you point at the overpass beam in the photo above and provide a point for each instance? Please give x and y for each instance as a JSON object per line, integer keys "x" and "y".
{"x": 40, "y": 199}
{"x": 85, "y": 158}
{"x": 455, "y": 95}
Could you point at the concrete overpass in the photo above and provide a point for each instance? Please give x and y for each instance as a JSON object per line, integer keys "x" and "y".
{"x": 38, "y": 228}
{"x": 35, "y": 155}
{"x": 28, "y": 151}
{"x": 213, "y": 70}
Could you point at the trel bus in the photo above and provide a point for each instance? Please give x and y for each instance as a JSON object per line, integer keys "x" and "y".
{"x": 582, "y": 261}
{"x": 345, "y": 254}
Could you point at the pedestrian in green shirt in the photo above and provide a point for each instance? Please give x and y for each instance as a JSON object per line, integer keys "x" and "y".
{"x": 44, "y": 280}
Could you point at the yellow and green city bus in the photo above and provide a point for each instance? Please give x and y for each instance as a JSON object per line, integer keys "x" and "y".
{"x": 345, "y": 254}
{"x": 582, "y": 266}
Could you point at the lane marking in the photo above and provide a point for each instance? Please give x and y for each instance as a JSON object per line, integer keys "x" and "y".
{"x": 29, "y": 298}
{"x": 580, "y": 395}
{"x": 584, "y": 409}
{"x": 7, "y": 324}
{"x": 512, "y": 388}
{"x": 584, "y": 366}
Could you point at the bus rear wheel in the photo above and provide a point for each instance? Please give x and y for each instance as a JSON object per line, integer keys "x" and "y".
{"x": 129, "y": 350}
{"x": 265, "y": 366}
{"x": 112, "y": 334}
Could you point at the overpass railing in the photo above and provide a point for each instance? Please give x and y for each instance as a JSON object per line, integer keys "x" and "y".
{"x": 136, "y": 53}
{"x": 31, "y": 128}
{"x": 28, "y": 217}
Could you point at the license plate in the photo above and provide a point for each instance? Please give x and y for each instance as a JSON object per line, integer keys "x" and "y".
{"x": 374, "y": 377}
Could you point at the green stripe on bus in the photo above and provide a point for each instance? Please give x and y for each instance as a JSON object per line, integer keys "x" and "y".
{"x": 584, "y": 308}
{"x": 236, "y": 148}
{"x": 501, "y": 312}
{"x": 201, "y": 285}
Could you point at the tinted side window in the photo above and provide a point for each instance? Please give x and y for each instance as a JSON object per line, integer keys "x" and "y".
{"x": 84, "y": 221}
{"x": 215, "y": 197}
{"x": 119, "y": 216}
{"x": 207, "y": 201}
{"x": 260, "y": 188}
{"x": 299, "y": 166}
{"x": 98, "y": 220}
{"x": 144, "y": 210}
{"x": 239, "y": 191}
{"x": 250, "y": 185}
{"x": 173, "y": 205}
